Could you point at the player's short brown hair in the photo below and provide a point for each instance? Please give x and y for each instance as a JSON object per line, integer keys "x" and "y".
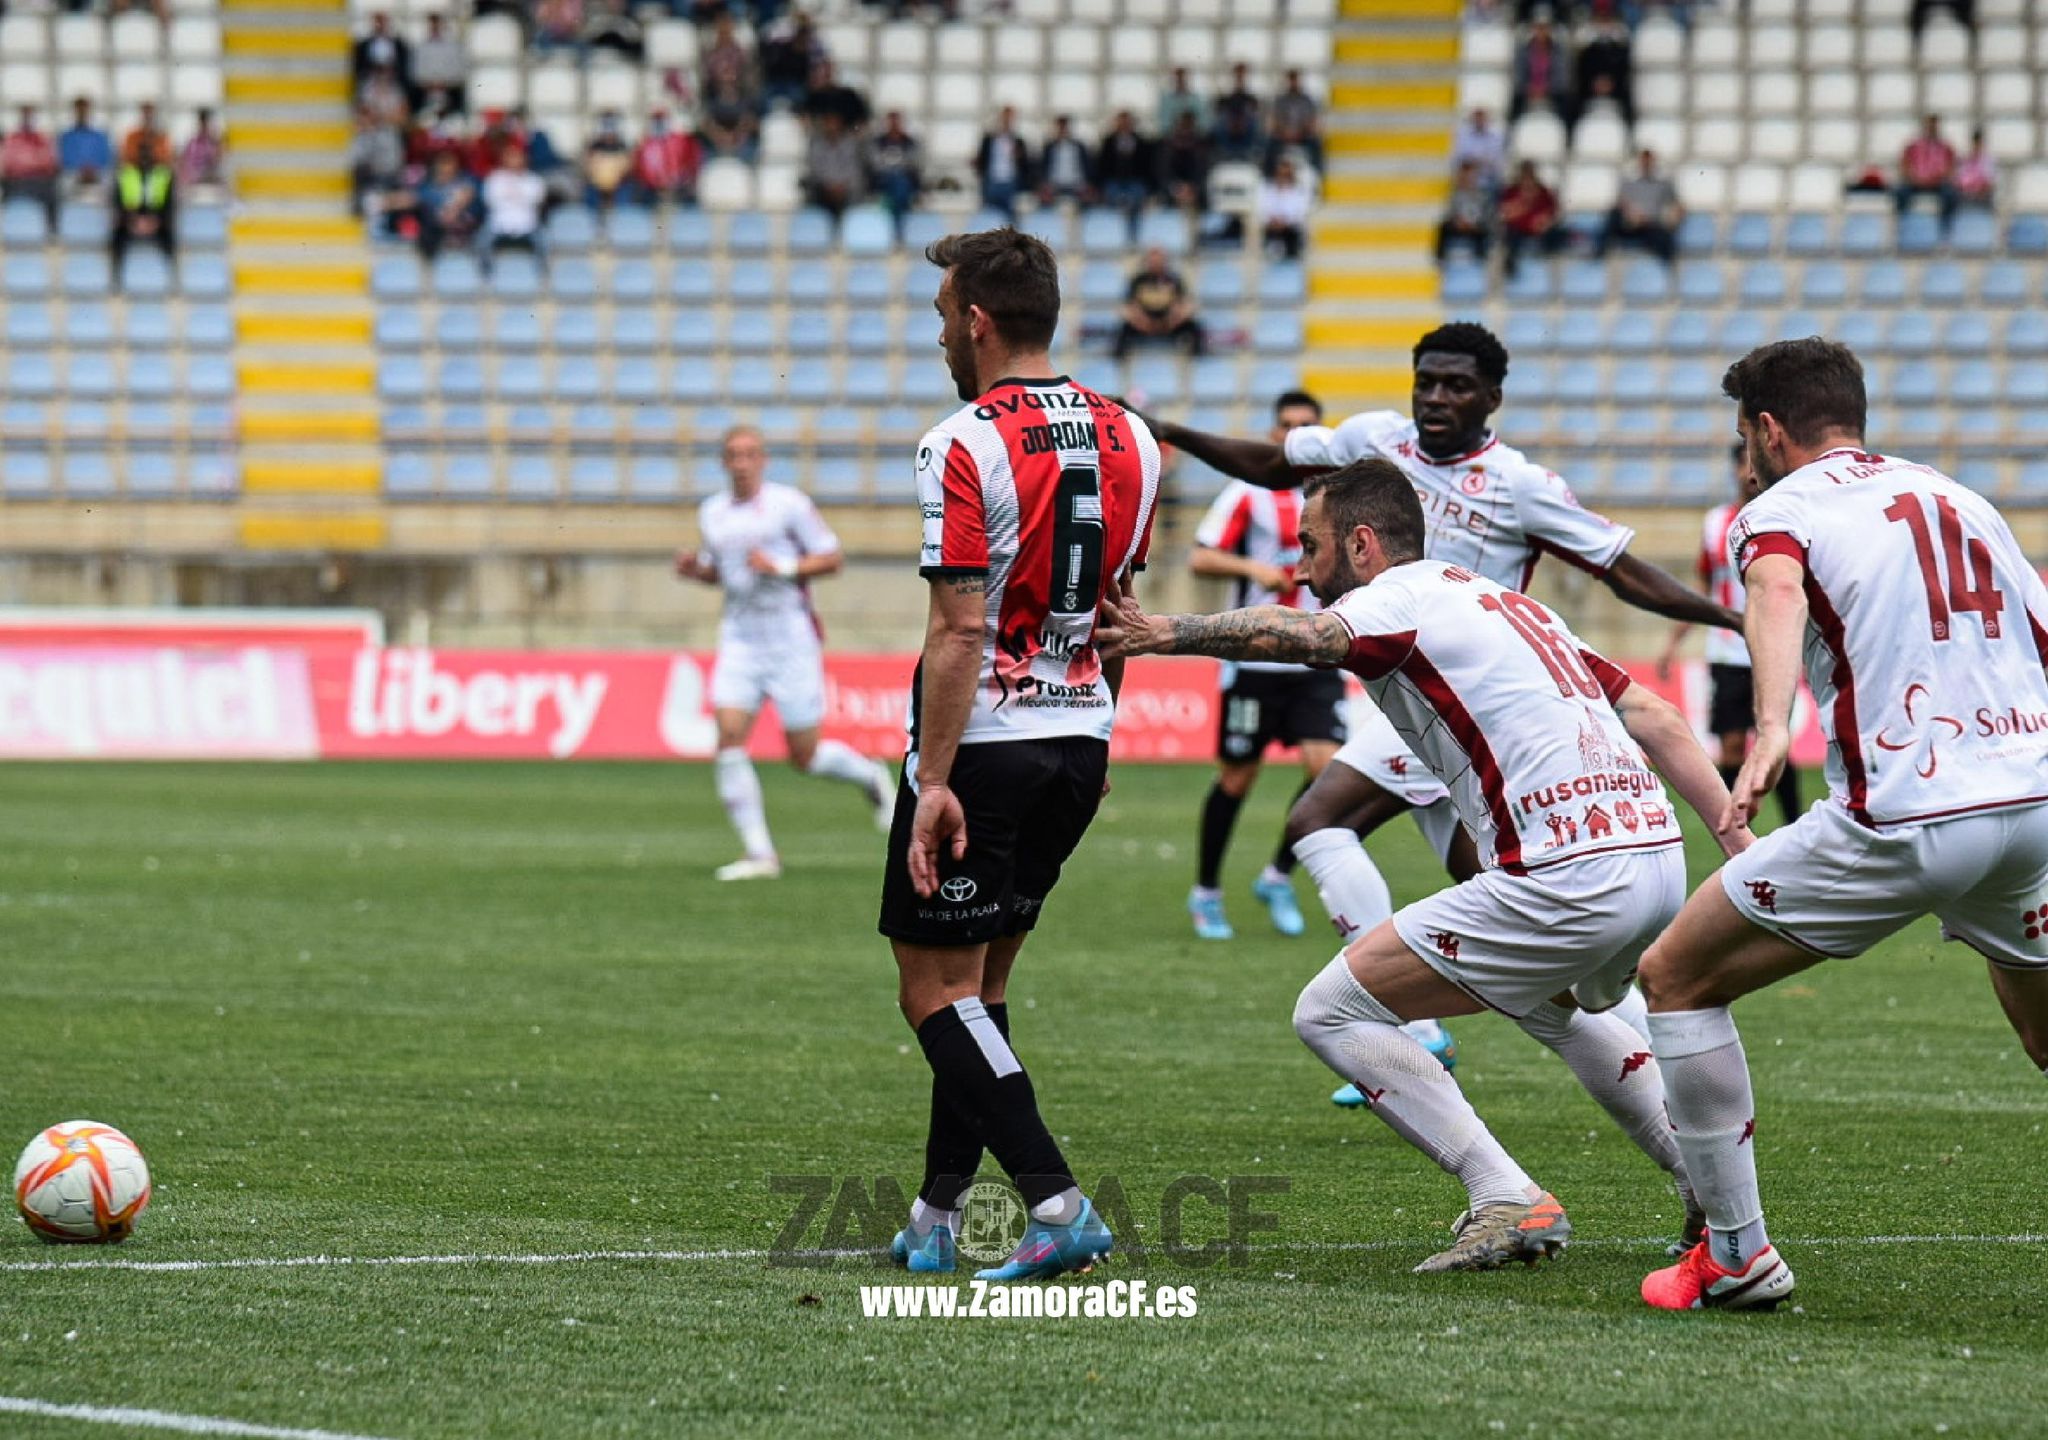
{"x": 1811, "y": 385}
{"x": 1012, "y": 276}
{"x": 1374, "y": 492}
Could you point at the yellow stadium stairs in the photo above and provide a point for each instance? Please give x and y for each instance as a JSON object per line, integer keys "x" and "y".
{"x": 312, "y": 476}
{"x": 1372, "y": 277}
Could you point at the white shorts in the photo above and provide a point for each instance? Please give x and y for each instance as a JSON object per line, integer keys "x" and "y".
{"x": 1836, "y": 887}
{"x": 1515, "y": 941}
{"x": 1377, "y": 751}
{"x": 793, "y": 676}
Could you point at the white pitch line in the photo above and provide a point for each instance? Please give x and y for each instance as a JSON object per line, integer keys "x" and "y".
{"x": 684, "y": 1257}
{"x": 164, "y": 1420}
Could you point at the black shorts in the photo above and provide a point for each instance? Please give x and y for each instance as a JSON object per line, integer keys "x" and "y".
{"x": 1028, "y": 803}
{"x": 1733, "y": 708}
{"x": 1263, "y": 706}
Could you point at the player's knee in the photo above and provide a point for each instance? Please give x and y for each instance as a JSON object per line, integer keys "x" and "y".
{"x": 1668, "y": 985}
{"x": 1236, "y": 780}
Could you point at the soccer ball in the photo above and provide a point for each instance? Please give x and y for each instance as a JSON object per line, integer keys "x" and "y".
{"x": 81, "y": 1183}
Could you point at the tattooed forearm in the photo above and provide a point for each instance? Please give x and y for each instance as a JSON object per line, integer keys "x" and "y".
{"x": 968, "y": 584}
{"x": 1264, "y": 632}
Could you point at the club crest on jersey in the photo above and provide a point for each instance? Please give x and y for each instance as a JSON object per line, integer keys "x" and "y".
{"x": 1473, "y": 481}
{"x": 1765, "y": 894}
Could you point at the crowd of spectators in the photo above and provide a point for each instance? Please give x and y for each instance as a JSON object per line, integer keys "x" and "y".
{"x": 1929, "y": 166}
{"x": 1569, "y": 73}
{"x": 1524, "y": 214}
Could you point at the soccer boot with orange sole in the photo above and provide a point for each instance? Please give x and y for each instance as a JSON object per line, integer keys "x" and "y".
{"x": 1700, "y": 1282}
{"x": 1495, "y": 1236}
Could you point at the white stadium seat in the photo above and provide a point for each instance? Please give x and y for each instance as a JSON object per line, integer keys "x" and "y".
{"x": 1589, "y": 189}
{"x": 1776, "y": 138}
{"x": 1135, "y": 48}
{"x": 1814, "y": 186}
{"x": 1135, "y": 91}
{"x": 196, "y": 83}
{"x": 1254, "y": 47}
{"x": 1658, "y": 42}
{"x": 956, "y": 95}
{"x": 497, "y": 87}
{"x": 962, "y": 47}
{"x": 1891, "y": 91}
{"x": 1886, "y": 45}
{"x": 495, "y": 39}
{"x": 1834, "y": 94}
{"x": 1773, "y": 46}
{"x": 136, "y": 35}
{"x": 1829, "y": 48}
{"x": 1716, "y": 44}
{"x": 1538, "y": 136}
{"x": 1490, "y": 45}
{"x": 725, "y": 184}
{"x": 1774, "y": 92}
{"x": 2012, "y": 138}
{"x": 1076, "y": 48}
{"x": 75, "y": 79}
{"x": 1017, "y": 47}
{"x": 2030, "y": 187}
{"x": 1701, "y": 187}
{"x": 1194, "y": 48}
{"x": 195, "y": 37}
{"x": 1757, "y": 187}
{"x": 1601, "y": 136}
{"x": 1074, "y": 94}
{"x": 613, "y": 87}
{"x": 1944, "y": 42}
{"x": 1666, "y": 137}
{"x": 1663, "y": 92}
{"x": 1717, "y": 92}
{"x": 903, "y": 43}
{"x": 554, "y": 87}
{"x": 1950, "y": 93}
{"x": 672, "y": 44}
{"x": 1717, "y": 140}
{"x": 1489, "y": 92}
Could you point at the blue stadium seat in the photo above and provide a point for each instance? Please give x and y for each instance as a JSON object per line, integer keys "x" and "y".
{"x": 84, "y": 422}
{"x": 88, "y": 473}
{"x": 146, "y": 273}
{"x": 784, "y": 424}
{"x": 1632, "y": 479}
{"x": 592, "y": 423}
{"x": 1214, "y": 381}
{"x": 1165, "y": 229}
{"x": 1105, "y": 232}
{"x": 1884, "y": 283}
{"x": 839, "y": 477}
{"x": 809, "y": 287}
{"x": 1529, "y": 332}
{"x": 400, "y": 328}
{"x": 1464, "y": 283}
{"x": 1795, "y": 325}
{"x": 25, "y": 474}
{"x": 575, "y": 280}
{"x": 636, "y": 380}
{"x": 871, "y": 385}
{"x": 1584, "y": 283}
{"x": 572, "y": 230}
{"x": 1860, "y": 331}
{"x": 515, "y": 328}
{"x": 1974, "y": 233}
{"x": 86, "y": 276}
{"x": 754, "y": 382}
{"x": 1763, "y": 283}
{"x": 1529, "y": 285}
{"x": 1696, "y": 235}
{"x": 515, "y": 275}
{"x": 527, "y": 476}
{"x": 395, "y": 277}
{"x": 633, "y": 281}
{"x": 751, "y": 282}
{"x": 1222, "y": 283}
{"x": 1634, "y": 332}
{"x": 1978, "y": 475}
{"x": 24, "y": 277}
{"x": 2026, "y": 333}
{"x": 654, "y": 478}
{"x": 1645, "y": 282}
{"x": 1643, "y": 423}
{"x": 747, "y": 233}
{"x": 1158, "y": 377}
{"x": 1694, "y": 383}
{"x": 810, "y": 232}
{"x": 206, "y": 277}
{"x": 1750, "y": 236}
{"x": 1910, "y": 333}
{"x": 1634, "y": 385}
{"x": 209, "y": 377}
{"x": 752, "y": 331}
{"x": 408, "y": 475}
{"x": 30, "y": 376}
{"x": 1865, "y": 234}
{"x": 29, "y": 324}
{"x": 689, "y": 232}
{"x": 867, "y": 233}
{"x": 1695, "y": 482}
{"x": 593, "y": 477}
{"x": 456, "y": 277}
{"x": 1580, "y": 332}
{"x": 578, "y": 379}
{"x": 2027, "y": 385}
{"x": 1915, "y": 384}
{"x": 1919, "y": 233}
{"x": 839, "y": 424}
{"x": 527, "y": 425}
{"x": 693, "y": 332}
{"x": 577, "y": 330}
{"x": 1700, "y": 283}
{"x": 922, "y": 227}
{"x": 1688, "y": 332}
{"x": 695, "y": 381}
{"x": 1825, "y": 283}
{"x": 1968, "y": 333}
{"x": 2005, "y": 284}
{"x": 1534, "y": 382}
{"x": 209, "y": 327}
{"x": 1104, "y": 284}
{"x": 469, "y": 475}
{"x": 1973, "y": 382}
{"x": 83, "y": 227}
{"x": 150, "y": 379}
{"x": 635, "y": 331}
{"x": 870, "y": 286}
{"x": 23, "y": 223}
{"x": 461, "y": 377}
{"x": 89, "y": 377}
{"x": 28, "y": 419}
{"x": 1279, "y": 333}
{"x": 1918, "y": 423}
{"x": 89, "y": 325}
{"x": 149, "y": 418}
{"x": 869, "y": 332}
{"x": 520, "y": 378}
{"x": 2027, "y": 235}
{"x": 925, "y": 382}
{"x": 152, "y": 474}
{"x": 1808, "y": 235}
{"x": 1283, "y": 283}
{"x": 459, "y": 327}
{"x": 203, "y": 227}
{"x": 212, "y": 474}
{"x": 631, "y": 230}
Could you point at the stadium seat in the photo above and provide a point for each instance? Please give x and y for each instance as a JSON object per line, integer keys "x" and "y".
{"x": 573, "y": 280}
{"x": 530, "y": 477}
{"x": 1824, "y": 284}
{"x": 576, "y": 330}
{"x": 630, "y": 230}
{"x": 408, "y": 475}
{"x": 209, "y": 327}
{"x": 459, "y": 327}
{"x": 89, "y": 325}
{"x": 151, "y": 474}
{"x": 1884, "y": 284}
{"x": 26, "y": 474}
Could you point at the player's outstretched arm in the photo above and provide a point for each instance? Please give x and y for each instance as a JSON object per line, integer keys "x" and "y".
{"x": 1656, "y": 724}
{"x": 1257, "y": 462}
{"x": 1263, "y": 632}
{"x": 1645, "y": 586}
{"x": 1775, "y": 627}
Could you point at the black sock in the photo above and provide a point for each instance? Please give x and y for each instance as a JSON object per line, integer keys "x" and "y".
{"x": 1728, "y": 774}
{"x": 952, "y": 1146}
{"x": 1788, "y": 794}
{"x": 986, "y": 1083}
{"x": 1219, "y": 818}
{"x": 1283, "y": 855}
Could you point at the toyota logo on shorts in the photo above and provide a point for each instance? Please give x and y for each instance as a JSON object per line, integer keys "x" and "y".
{"x": 959, "y": 890}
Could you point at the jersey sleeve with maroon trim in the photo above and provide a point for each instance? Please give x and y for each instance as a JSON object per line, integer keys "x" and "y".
{"x": 1775, "y": 523}
{"x": 1227, "y": 519}
{"x": 1553, "y": 522}
{"x": 1614, "y": 681}
{"x": 1312, "y": 449}
{"x": 1381, "y": 620}
{"x": 949, "y": 495}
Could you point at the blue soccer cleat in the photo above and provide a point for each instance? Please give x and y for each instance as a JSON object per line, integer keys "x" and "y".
{"x": 1278, "y": 898}
{"x": 1050, "y": 1250}
{"x": 933, "y": 1255}
{"x": 1210, "y": 922}
{"x": 1431, "y": 1035}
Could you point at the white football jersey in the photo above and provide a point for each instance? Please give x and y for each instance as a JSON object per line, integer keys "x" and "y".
{"x": 781, "y": 521}
{"x": 1925, "y": 636}
{"x": 1262, "y": 525}
{"x": 1512, "y": 711}
{"x": 1724, "y": 585}
{"x": 1494, "y": 511}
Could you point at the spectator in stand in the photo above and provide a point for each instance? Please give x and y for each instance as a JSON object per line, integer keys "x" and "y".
{"x": 1964, "y": 11}
{"x": 666, "y": 163}
{"x": 1180, "y": 99}
{"x": 1928, "y": 168}
{"x": 1606, "y": 64}
{"x": 1124, "y": 167}
{"x": 827, "y": 96}
{"x": 607, "y": 164}
{"x": 440, "y": 71}
{"x": 895, "y": 166}
{"x": 558, "y": 25}
{"x": 1002, "y": 164}
{"x": 1240, "y": 131}
{"x": 1284, "y": 205}
{"x": 513, "y": 200}
{"x": 1478, "y": 144}
{"x": 609, "y": 27}
{"x": 203, "y": 163}
{"x": 1468, "y": 217}
{"x": 1645, "y": 214}
{"x": 447, "y": 206}
{"x": 147, "y": 128}
{"x": 788, "y": 51}
{"x": 376, "y": 161}
{"x": 1530, "y": 217}
{"x": 1065, "y": 169}
{"x": 726, "y": 62}
{"x": 1157, "y": 307}
{"x": 835, "y": 175}
{"x": 382, "y": 93}
{"x": 145, "y": 205}
{"x": 29, "y": 167}
{"x": 1542, "y": 77}
{"x": 84, "y": 152}
{"x": 1297, "y": 124}
{"x": 541, "y": 155}
{"x": 1184, "y": 162}
{"x": 727, "y": 125}
{"x": 1977, "y": 176}
{"x": 381, "y": 49}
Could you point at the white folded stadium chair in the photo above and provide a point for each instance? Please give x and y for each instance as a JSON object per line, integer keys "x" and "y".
{"x": 1892, "y": 90}
{"x": 1716, "y": 45}
{"x": 24, "y": 38}
{"x": 1024, "y": 89}
{"x": 902, "y": 43}
{"x": 1601, "y": 137}
{"x": 1148, "y": 12}
{"x": 1076, "y": 48}
{"x": 1837, "y": 141}
{"x": 1262, "y": 12}
{"x": 1202, "y": 12}
{"x": 2030, "y": 187}
{"x": 1253, "y": 45}
{"x": 953, "y": 142}
{"x": 1829, "y": 48}
{"x": 1017, "y": 46}
{"x": 138, "y": 80}
{"x": 1485, "y": 91}
{"x": 195, "y": 83}
{"x": 77, "y": 78}
{"x": 1777, "y": 139}
{"x": 1665, "y": 136}
{"x": 1039, "y": 12}
{"x": 1717, "y": 140}
{"x": 1884, "y": 12}
{"x": 1589, "y": 189}
{"x": 613, "y": 87}
{"x": 2003, "y": 44}
{"x": 2011, "y": 138}
{"x": 1304, "y": 48}
{"x": 1717, "y": 92}
{"x": 1662, "y": 92}
{"x": 25, "y": 85}
{"x": 1944, "y": 41}
{"x": 846, "y": 41}
{"x": 2001, "y": 10}
{"x": 565, "y": 129}
{"x": 1774, "y": 92}
{"x": 1770, "y": 10}
{"x": 1194, "y": 48}
{"x": 1490, "y": 45}
{"x": 1824, "y": 11}
{"x": 1538, "y": 136}
{"x": 778, "y": 187}
{"x": 194, "y": 37}
{"x": 81, "y": 37}
{"x": 1883, "y": 45}
{"x": 1093, "y": 12}
{"x": 725, "y": 184}
{"x": 1950, "y": 93}
{"x": 1659, "y": 43}
{"x": 958, "y": 48}
{"x": 1308, "y": 12}
{"x": 782, "y": 138}
{"x": 1757, "y": 187}
{"x": 1135, "y": 47}
{"x": 1135, "y": 91}
{"x": 496, "y": 87}
{"x": 136, "y": 35}
{"x": 1701, "y": 187}
{"x": 494, "y": 40}
{"x": 1073, "y": 94}
{"x": 671, "y": 44}
{"x": 1774, "y": 46}
{"x": 1814, "y": 186}
{"x": 1834, "y": 93}
{"x": 955, "y": 95}
{"x": 554, "y": 86}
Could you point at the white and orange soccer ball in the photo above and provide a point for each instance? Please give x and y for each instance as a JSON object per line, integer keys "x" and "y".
{"x": 81, "y": 1183}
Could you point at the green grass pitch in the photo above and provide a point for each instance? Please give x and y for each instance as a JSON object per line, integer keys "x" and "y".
{"x": 364, "y": 1011}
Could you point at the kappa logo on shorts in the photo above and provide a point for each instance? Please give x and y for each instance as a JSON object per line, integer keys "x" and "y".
{"x": 1446, "y": 943}
{"x": 2036, "y": 921}
{"x": 1764, "y": 893}
{"x": 1748, "y": 1132}
{"x": 959, "y": 890}
{"x": 1632, "y": 1063}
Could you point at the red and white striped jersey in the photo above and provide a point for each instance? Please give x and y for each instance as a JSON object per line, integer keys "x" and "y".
{"x": 1494, "y": 511}
{"x": 1724, "y": 585}
{"x": 1512, "y": 711}
{"x": 1925, "y": 636}
{"x": 1047, "y": 488}
{"x": 1262, "y": 525}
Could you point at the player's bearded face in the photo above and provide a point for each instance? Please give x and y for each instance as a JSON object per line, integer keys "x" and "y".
{"x": 1763, "y": 471}
{"x": 1325, "y": 561}
{"x": 956, "y": 338}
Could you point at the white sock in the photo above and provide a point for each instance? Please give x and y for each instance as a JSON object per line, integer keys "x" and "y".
{"x": 1634, "y": 1009}
{"x": 1348, "y": 883}
{"x": 1713, "y": 1115}
{"x": 836, "y": 760}
{"x": 739, "y": 790}
{"x": 1439, "y": 826}
{"x": 1361, "y": 1040}
{"x": 1616, "y": 1068}
{"x": 1062, "y": 1209}
{"x": 923, "y": 1217}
